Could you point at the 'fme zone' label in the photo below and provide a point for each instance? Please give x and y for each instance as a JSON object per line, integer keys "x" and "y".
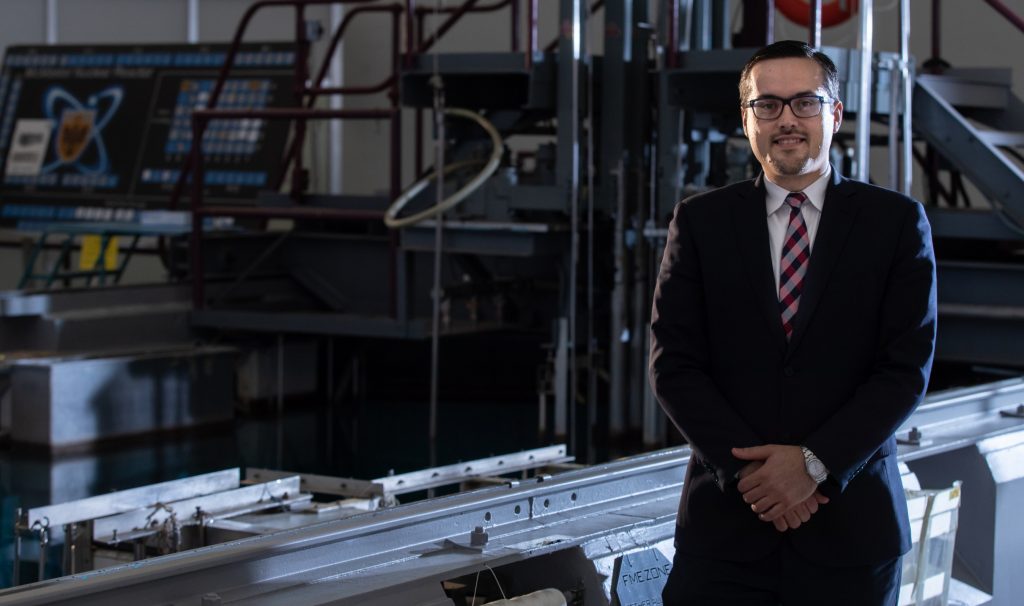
{"x": 640, "y": 578}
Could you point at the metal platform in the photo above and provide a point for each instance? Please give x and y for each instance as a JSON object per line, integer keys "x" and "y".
{"x": 73, "y": 400}
{"x": 218, "y": 507}
{"x": 564, "y": 531}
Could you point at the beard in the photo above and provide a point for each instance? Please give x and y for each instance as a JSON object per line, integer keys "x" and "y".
{"x": 790, "y": 164}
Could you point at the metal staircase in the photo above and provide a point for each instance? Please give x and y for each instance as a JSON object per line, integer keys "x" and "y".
{"x": 976, "y": 124}
{"x": 973, "y": 119}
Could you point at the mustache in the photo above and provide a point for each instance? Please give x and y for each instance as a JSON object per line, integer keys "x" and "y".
{"x": 789, "y": 133}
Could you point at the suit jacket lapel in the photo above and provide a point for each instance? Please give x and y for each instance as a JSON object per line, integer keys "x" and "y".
{"x": 752, "y": 242}
{"x": 837, "y": 218}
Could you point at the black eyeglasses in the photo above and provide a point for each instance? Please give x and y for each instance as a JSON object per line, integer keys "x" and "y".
{"x": 803, "y": 106}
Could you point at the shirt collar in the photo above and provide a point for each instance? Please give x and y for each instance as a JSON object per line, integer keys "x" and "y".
{"x": 775, "y": 196}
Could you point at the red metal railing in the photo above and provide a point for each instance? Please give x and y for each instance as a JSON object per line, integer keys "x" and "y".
{"x": 1007, "y": 13}
{"x": 1001, "y": 8}
{"x": 305, "y": 99}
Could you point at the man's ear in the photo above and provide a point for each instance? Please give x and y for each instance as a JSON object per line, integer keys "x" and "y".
{"x": 837, "y": 117}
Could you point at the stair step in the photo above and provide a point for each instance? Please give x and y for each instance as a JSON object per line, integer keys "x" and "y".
{"x": 997, "y": 176}
{"x": 964, "y": 92}
{"x": 99, "y": 328}
{"x": 1002, "y": 138}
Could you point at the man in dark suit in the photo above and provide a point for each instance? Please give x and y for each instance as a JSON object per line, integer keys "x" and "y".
{"x": 792, "y": 333}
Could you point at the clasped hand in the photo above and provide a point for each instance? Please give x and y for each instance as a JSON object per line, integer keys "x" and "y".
{"x": 776, "y": 485}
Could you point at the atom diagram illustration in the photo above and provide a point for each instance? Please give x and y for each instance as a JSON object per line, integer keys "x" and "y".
{"x": 80, "y": 127}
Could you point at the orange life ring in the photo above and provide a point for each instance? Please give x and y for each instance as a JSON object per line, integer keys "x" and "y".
{"x": 832, "y": 13}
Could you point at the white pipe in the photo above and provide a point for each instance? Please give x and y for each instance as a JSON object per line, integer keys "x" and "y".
{"x": 335, "y": 152}
{"x": 543, "y": 597}
{"x": 908, "y": 95}
{"x": 51, "y": 22}
{"x": 862, "y": 172}
{"x": 391, "y": 215}
{"x": 192, "y": 19}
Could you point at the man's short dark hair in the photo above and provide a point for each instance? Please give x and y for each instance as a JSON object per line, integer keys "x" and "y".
{"x": 791, "y": 48}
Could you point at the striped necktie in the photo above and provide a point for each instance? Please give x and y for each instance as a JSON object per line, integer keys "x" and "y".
{"x": 796, "y": 250}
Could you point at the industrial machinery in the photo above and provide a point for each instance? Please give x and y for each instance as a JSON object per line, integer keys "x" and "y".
{"x": 576, "y": 531}
{"x": 560, "y": 168}
{"x": 529, "y": 226}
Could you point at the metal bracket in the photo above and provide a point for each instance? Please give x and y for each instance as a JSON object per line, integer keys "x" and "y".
{"x": 477, "y": 541}
{"x": 914, "y": 437}
{"x": 1017, "y": 413}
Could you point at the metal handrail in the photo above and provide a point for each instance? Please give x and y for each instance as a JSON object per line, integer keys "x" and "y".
{"x": 229, "y": 62}
{"x": 1007, "y": 13}
{"x": 306, "y": 96}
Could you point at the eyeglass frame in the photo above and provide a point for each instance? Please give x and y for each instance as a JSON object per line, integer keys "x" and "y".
{"x": 822, "y": 100}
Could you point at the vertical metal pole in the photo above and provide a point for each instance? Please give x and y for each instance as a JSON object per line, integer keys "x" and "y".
{"x": 617, "y": 395}
{"x": 192, "y": 21}
{"x": 864, "y": 93}
{"x": 68, "y": 564}
{"x": 895, "y": 89}
{"x": 638, "y": 370}
{"x": 721, "y": 28}
{"x": 906, "y": 77}
{"x": 700, "y": 34}
{"x": 563, "y": 416}
{"x": 52, "y": 37}
{"x": 418, "y": 112}
{"x": 329, "y": 421}
{"x": 396, "y": 149}
{"x": 44, "y": 542}
{"x": 280, "y": 401}
{"x": 936, "y": 29}
{"x": 571, "y": 48}
{"x": 542, "y": 413}
{"x": 531, "y": 28}
{"x": 336, "y": 152}
{"x": 410, "y": 24}
{"x": 672, "y": 28}
{"x": 195, "y": 248}
{"x": 16, "y": 573}
{"x": 301, "y": 76}
{"x": 435, "y": 293}
{"x": 52, "y": 22}
{"x": 514, "y": 16}
{"x": 591, "y": 336}
{"x": 654, "y": 418}
{"x": 814, "y": 24}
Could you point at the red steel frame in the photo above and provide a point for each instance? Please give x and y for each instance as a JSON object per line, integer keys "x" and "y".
{"x": 305, "y": 98}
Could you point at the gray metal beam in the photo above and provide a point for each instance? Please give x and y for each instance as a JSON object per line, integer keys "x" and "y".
{"x": 381, "y": 557}
{"x": 372, "y": 558}
{"x": 129, "y": 500}
{"x": 424, "y": 479}
{"x": 935, "y": 119}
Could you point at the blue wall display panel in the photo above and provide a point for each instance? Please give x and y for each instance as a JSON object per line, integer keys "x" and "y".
{"x": 111, "y": 125}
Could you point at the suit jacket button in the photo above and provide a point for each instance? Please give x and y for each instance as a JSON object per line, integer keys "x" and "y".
{"x": 789, "y": 371}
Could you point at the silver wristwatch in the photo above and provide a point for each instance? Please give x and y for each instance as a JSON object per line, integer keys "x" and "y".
{"x": 815, "y": 468}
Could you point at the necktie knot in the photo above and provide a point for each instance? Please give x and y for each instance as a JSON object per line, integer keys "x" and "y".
{"x": 796, "y": 200}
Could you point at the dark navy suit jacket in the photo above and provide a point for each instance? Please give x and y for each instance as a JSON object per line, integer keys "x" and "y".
{"x": 856, "y": 367}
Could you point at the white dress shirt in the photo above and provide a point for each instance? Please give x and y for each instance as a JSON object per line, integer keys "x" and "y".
{"x": 778, "y": 215}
